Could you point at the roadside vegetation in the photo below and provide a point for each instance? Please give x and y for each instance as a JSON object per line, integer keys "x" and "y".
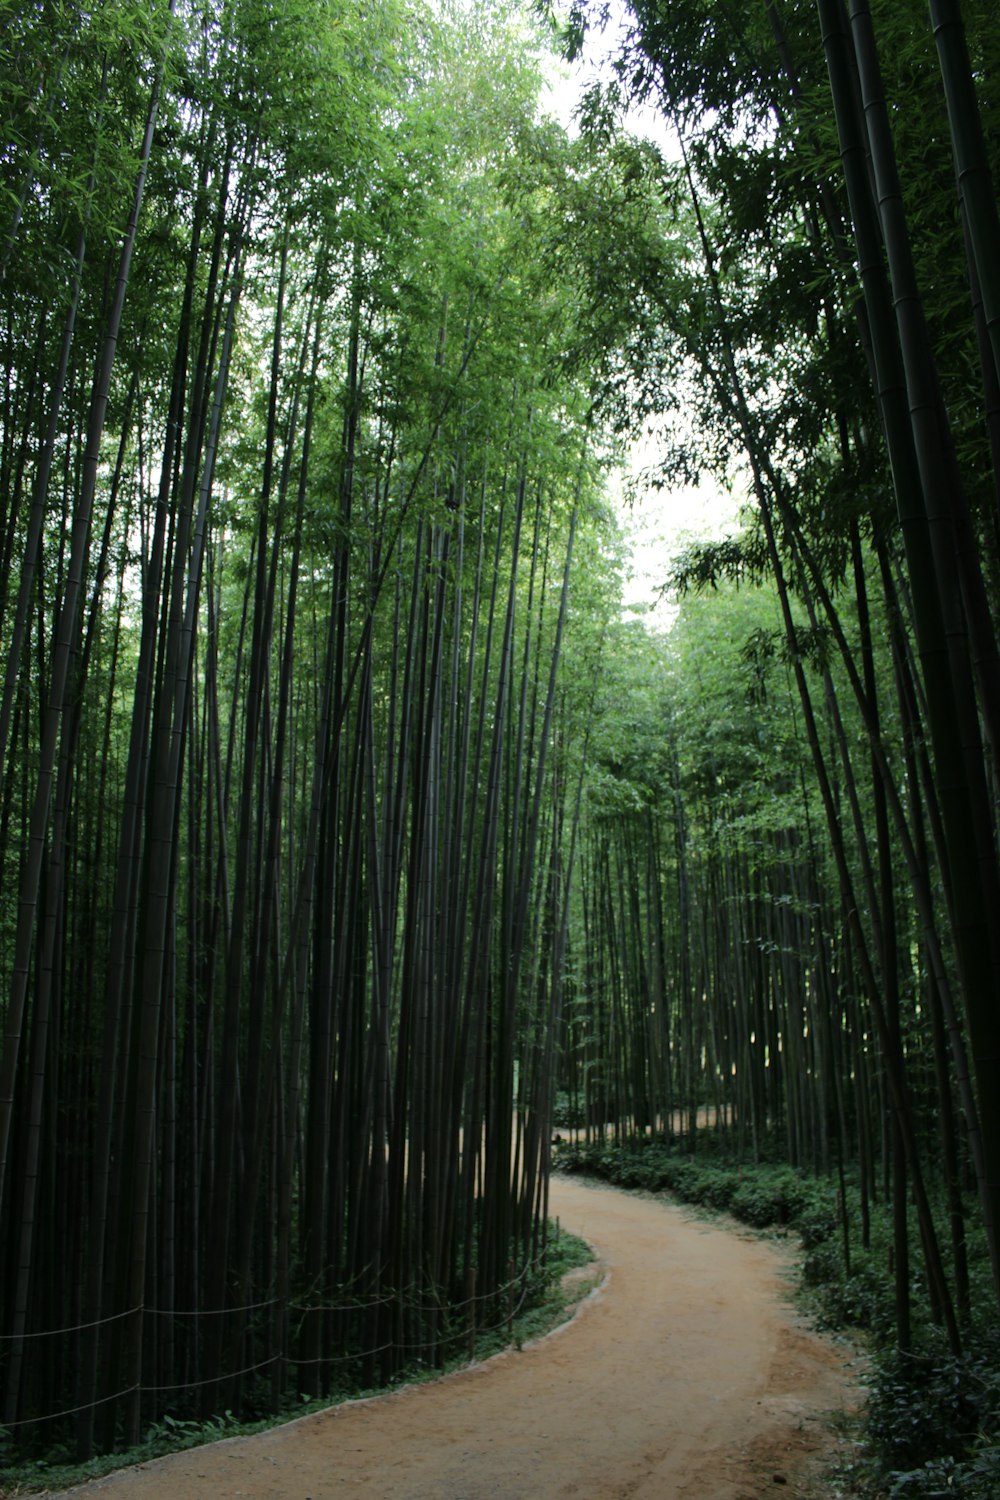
{"x": 541, "y": 1306}
{"x": 931, "y": 1423}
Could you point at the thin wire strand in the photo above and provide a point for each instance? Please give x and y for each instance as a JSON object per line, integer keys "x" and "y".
{"x": 328, "y": 1359}
{"x": 52, "y": 1333}
{"x": 207, "y": 1312}
{"x": 390, "y": 1299}
{"x": 71, "y": 1411}
{"x": 193, "y": 1385}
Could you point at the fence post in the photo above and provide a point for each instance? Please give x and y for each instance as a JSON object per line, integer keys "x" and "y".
{"x": 470, "y": 1293}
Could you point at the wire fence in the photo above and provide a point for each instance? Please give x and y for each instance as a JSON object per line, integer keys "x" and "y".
{"x": 421, "y": 1306}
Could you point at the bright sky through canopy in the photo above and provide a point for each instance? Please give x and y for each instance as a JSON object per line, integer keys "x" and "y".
{"x": 658, "y": 523}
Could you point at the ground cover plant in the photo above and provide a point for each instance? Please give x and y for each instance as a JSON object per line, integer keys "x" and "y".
{"x": 931, "y": 1424}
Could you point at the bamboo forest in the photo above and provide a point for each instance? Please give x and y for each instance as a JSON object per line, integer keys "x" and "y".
{"x": 369, "y": 850}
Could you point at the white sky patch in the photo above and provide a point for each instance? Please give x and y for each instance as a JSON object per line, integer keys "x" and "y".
{"x": 659, "y": 525}
{"x": 660, "y": 522}
{"x": 567, "y": 81}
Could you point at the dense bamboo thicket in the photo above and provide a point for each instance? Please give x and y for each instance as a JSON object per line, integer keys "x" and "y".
{"x": 344, "y": 821}
{"x": 290, "y": 481}
{"x": 789, "y": 882}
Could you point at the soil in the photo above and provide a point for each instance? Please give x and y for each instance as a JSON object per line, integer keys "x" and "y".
{"x": 685, "y": 1374}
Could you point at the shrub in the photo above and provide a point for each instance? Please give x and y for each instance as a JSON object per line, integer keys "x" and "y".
{"x": 771, "y": 1197}
{"x": 816, "y": 1225}
{"x": 933, "y": 1411}
{"x": 977, "y": 1478}
{"x": 567, "y": 1113}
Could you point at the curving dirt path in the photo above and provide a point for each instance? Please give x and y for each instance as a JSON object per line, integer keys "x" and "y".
{"x": 685, "y": 1376}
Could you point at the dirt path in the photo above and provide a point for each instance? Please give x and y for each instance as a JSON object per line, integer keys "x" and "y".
{"x": 685, "y": 1375}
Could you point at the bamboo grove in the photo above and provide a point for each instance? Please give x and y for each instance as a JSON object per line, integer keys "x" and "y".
{"x": 291, "y": 486}
{"x": 790, "y": 892}
{"x": 346, "y": 825}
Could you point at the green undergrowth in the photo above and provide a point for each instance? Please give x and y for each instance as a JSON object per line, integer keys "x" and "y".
{"x": 547, "y": 1304}
{"x": 931, "y": 1425}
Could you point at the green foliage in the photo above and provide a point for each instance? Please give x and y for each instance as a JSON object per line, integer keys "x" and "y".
{"x": 57, "y": 1469}
{"x": 762, "y": 1196}
{"x": 933, "y": 1421}
{"x": 547, "y": 1298}
{"x": 778, "y": 1197}
{"x": 860, "y": 1298}
{"x": 566, "y": 1113}
{"x": 353, "y": 203}
{"x": 975, "y": 1478}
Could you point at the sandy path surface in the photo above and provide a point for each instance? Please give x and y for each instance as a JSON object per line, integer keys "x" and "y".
{"x": 686, "y": 1374}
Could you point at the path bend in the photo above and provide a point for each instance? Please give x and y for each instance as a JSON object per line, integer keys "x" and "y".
{"x": 686, "y": 1376}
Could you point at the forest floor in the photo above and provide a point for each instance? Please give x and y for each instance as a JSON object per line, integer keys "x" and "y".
{"x": 684, "y": 1375}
